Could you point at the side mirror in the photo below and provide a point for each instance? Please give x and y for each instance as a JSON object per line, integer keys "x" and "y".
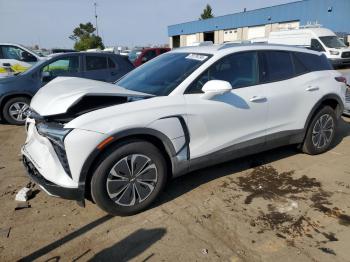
{"x": 144, "y": 59}
{"x": 215, "y": 87}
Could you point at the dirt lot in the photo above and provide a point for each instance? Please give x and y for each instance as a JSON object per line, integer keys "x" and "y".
{"x": 277, "y": 206}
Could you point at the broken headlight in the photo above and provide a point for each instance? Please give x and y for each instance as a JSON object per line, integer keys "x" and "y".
{"x": 54, "y": 132}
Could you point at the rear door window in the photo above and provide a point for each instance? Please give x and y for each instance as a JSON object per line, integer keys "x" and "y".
{"x": 96, "y": 62}
{"x": 278, "y": 66}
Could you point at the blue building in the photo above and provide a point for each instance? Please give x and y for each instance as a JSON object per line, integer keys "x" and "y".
{"x": 332, "y": 14}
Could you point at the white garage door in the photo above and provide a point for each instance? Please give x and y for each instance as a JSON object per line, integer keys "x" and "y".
{"x": 256, "y": 31}
{"x": 230, "y": 35}
{"x": 190, "y": 39}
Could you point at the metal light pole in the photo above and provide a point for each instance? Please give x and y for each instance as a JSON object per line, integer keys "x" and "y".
{"x": 95, "y": 5}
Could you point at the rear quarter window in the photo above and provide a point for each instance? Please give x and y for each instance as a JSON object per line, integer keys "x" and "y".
{"x": 313, "y": 62}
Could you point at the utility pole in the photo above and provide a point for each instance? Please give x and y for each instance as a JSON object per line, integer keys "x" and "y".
{"x": 95, "y": 5}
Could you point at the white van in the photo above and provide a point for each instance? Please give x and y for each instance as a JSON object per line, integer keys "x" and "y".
{"x": 316, "y": 38}
{"x": 18, "y": 57}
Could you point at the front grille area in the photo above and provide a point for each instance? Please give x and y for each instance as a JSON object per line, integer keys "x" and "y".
{"x": 345, "y": 55}
{"x": 347, "y": 95}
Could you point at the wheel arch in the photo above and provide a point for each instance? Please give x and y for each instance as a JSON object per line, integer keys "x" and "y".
{"x": 7, "y": 97}
{"x": 155, "y": 137}
{"x": 332, "y": 100}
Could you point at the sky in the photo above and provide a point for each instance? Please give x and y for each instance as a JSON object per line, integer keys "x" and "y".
{"x": 49, "y": 23}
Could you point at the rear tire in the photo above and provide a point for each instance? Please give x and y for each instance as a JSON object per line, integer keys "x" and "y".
{"x": 321, "y": 132}
{"x": 14, "y": 110}
{"x": 129, "y": 179}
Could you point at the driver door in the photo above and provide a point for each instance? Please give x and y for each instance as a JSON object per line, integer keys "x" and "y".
{"x": 226, "y": 124}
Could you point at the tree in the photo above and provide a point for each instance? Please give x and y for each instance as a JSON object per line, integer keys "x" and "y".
{"x": 207, "y": 13}
{"x": 85, "y": 38}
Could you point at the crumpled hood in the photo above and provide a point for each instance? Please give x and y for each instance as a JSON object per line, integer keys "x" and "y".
{"x": 63, "y": 92}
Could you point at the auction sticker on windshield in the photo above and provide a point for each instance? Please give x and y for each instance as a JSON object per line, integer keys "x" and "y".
{"x": 197, "y": 57}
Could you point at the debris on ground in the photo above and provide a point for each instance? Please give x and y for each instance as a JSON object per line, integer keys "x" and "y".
{"x": 24, "y": 194}
{"x": 204, "y": 251}
{"x": 22, "y": 205}
{"x": 5, "y": 232}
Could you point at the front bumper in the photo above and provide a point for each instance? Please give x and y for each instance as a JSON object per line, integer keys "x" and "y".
{"x": 340, "y": 61}
{"x": 49, "y": 187}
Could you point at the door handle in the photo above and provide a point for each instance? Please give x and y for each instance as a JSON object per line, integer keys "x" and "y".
{"x": 312, "y": 88}
{"x": 257, "y": 99}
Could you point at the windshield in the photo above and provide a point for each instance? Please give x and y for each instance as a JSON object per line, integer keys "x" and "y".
{"x": 134, "y": 54}
{"x": 163, "y": 74}
{"x": 332, "y": 41}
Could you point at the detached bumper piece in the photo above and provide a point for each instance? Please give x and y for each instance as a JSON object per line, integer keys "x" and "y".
{"x": 51, "y": 188}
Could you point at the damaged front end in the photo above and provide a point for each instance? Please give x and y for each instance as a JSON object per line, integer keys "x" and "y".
{"x": 46, "y": 155}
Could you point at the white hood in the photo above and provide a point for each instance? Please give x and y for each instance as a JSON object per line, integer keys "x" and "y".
{"x": 61, "y": 93}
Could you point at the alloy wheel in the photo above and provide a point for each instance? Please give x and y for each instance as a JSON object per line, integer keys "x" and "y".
{"x": 323, "y": 131}
{"x": 17, "y": 111}
{"x": 132, "y": 180}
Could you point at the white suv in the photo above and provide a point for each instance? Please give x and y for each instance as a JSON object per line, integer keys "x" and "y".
{"x": 182, "y": 111}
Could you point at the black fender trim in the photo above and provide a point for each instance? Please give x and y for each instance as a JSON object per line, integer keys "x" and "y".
{"x": 319, "y": 103}
{"x": 23, "y": 93}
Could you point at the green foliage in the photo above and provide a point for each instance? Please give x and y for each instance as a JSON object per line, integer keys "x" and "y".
{"x": 207, "y": 13}
{"x": 85, "y": 37}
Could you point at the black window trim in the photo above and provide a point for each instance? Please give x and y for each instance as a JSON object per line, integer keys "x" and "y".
{"x": 219, "y": 60}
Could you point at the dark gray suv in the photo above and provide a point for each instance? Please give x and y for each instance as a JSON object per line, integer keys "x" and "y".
{"x": 16, "y": 91}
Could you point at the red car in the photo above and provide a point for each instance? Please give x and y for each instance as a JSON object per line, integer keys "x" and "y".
{"x": 140, "y": 56}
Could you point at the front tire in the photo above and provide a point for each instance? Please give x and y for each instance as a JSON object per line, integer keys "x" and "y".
{"x": 14, "y": 110}
{"x": 129, "y": 179}
{"x": 321, "y": 132}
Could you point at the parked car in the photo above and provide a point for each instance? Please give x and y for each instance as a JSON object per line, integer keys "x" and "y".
{"x": 318, "y": 39}
{"x": 18, "y": 57}
{"x": 16, "y": 91}
{"x": 184, "y": 110}
{"x": 140, "y": 56}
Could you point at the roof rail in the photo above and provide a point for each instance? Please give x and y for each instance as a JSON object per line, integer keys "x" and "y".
{"x": 235, "y": 43}
{"x": 204, "y": 43}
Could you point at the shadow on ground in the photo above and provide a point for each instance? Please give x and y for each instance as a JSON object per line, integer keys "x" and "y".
{"x": 131, "y": 246}
{"x": 47, "y": 249}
